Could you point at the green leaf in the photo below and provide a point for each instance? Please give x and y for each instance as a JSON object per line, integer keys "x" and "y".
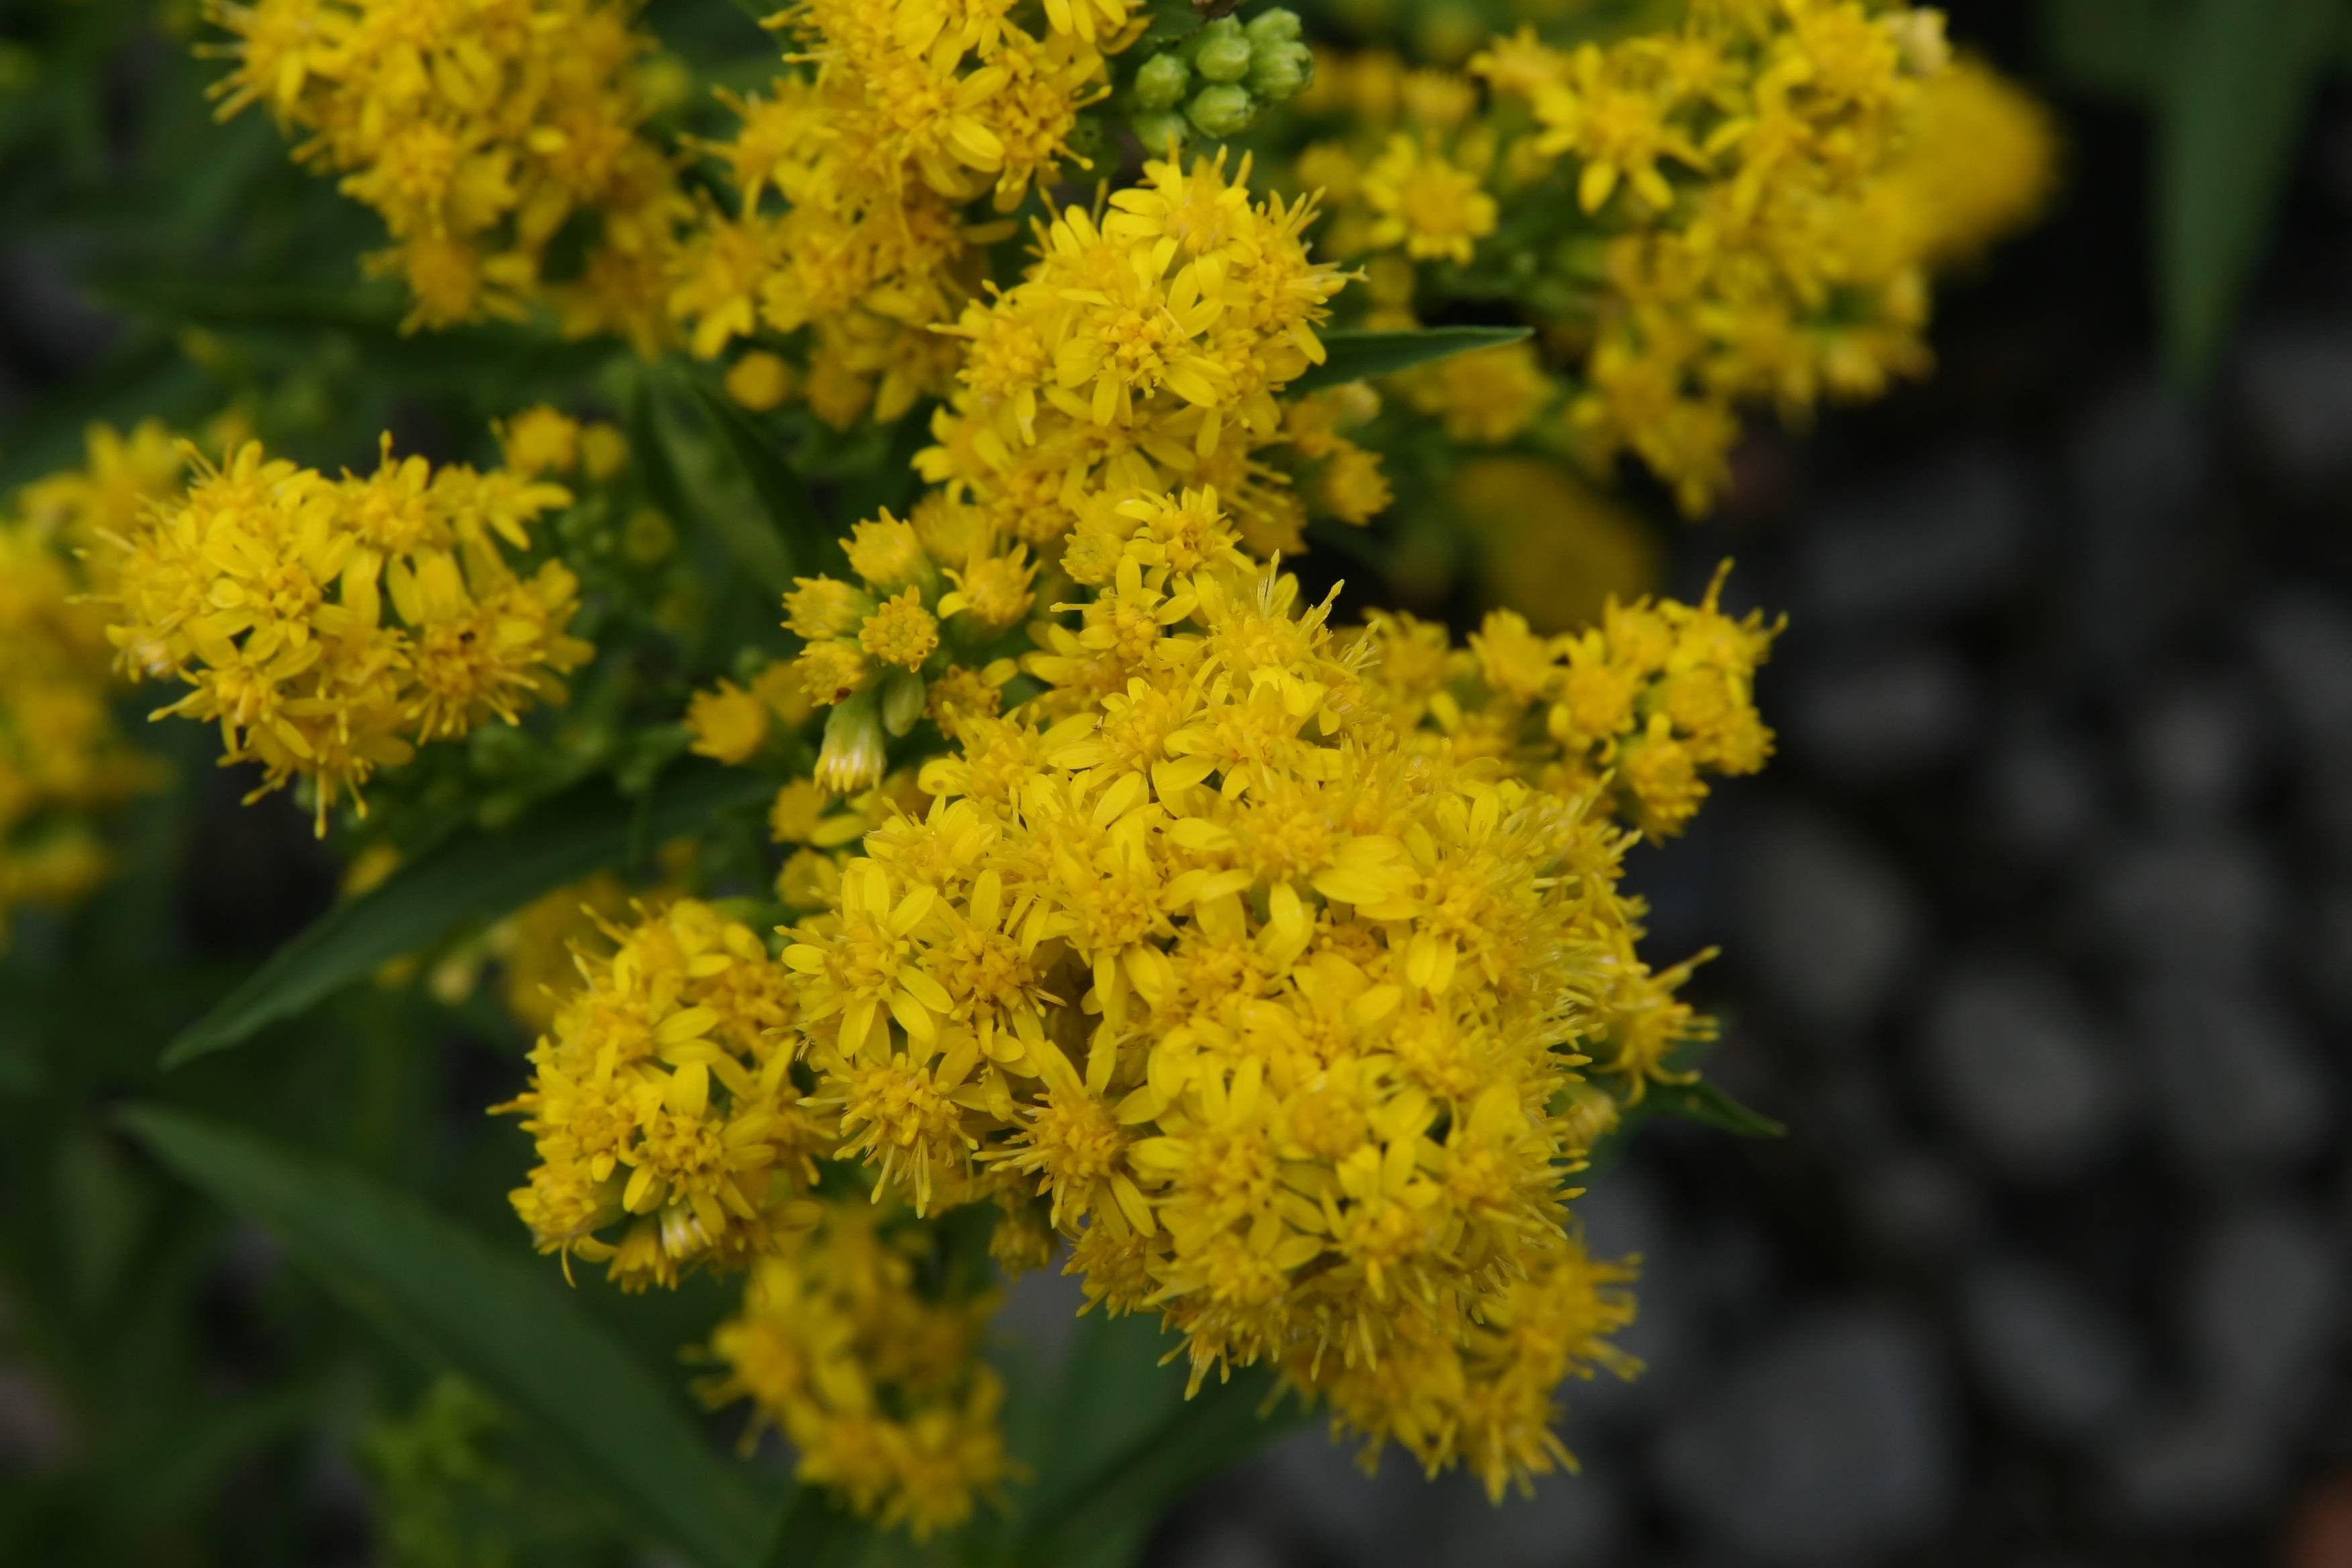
{"x": 1352, "y": 356}
{"x": 1224, "y": 1423}
{"x": 1698, "y": 1101}
{"x": 2111, "y": 47}
{"x": 792, "y": 511}
{"x": 473, "y": 874}
{"x": 504, "y": 1320}
{"x": 680, "y": 477}
{"x": 2240, "y": 87}
{"x": 1701, "y": 1100}
{"x": 812, "y": 1530}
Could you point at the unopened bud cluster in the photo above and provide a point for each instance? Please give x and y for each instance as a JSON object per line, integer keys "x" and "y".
{"x": 1215, "y": 82}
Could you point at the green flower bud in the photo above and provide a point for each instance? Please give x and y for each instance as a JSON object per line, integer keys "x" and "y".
{"x": 1162, "y": 81}
{"x": 1223, "y": 111}
{"x": 1222, "y": 55}
{"x": 1275, "y": 26}
{"x": 1279, "y": 71}
{"x": 1156, "y": 132}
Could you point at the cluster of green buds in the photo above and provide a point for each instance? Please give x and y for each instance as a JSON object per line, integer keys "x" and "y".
{"x": 1240, "y": 68}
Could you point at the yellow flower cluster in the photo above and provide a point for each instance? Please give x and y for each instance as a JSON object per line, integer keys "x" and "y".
{"x": 1742, "y": 208}
{"x": 878, "y": 1387}
{"x": 1278, "y": 1000}
{"x": 914, "y": 112}
{"x": 478, "y": 129}
{"x": 1262, "y": 964}
{"x": 1140, "y": 354}
{"x": 1641, "y": 706}
{"x": 662, "y": 1104}
{"x": 883, "y": 654}
{"x": 330, "y": 625}
{"x": 62, "y": 757}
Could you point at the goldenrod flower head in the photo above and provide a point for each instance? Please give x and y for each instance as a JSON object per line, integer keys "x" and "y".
{"x": 729, "y": 723}
{"x": 540, "y": 440}
{"x": 474, "y": 136}
{"x": 1433, "y": 208}
{"x": 1484, "y": 398}
{"x": 1271, "y": 998}
{"x": 63, "y": 761}
{"x": 328, "y": 626}
{"x": 887, "y": 552}
{"x": 661, "y": 1103}
{"x": 880, "y": 1386}
{"x": 901, "y": 631}
{"x": 821, "y": 607}
{"x": 761, "y": 381}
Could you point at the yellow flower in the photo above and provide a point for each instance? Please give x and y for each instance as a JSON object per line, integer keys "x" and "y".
{"x": 729, "y": 723}
{"x": 661, "y": 1105}
{"x": 540, "y": 440}
{"x": 1485, "y": 397}
{"x": 759, "y": 381}
{"x": 879, "y": 1384}
{"x": 1433, "y": 208}
{"x": 476, "y": 135}
{"x": 328, "y": 626}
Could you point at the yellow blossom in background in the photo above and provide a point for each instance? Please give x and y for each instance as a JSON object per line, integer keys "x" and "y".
{"x": 330, "y": 626}
{"x": 1737, "y": 209}
{"x": 1435, "y": 210}
{"x": 879, "y": 1387}
{"x": 477, "y": 135}
{"x": 1980, "y": 166}
{"x": 1549, "y": 543}
{"x": 64, "y": 762}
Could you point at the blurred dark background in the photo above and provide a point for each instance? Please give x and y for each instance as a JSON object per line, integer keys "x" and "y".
{"x": 2037, "y": 932}
{"x": 2038, "y": 935}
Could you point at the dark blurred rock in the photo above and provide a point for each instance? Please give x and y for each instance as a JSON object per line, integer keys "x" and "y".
{"x": 1917, "y": 1206}
{"x": 2045, "y": 800}
{"x": 1935, "y": 543}
{"x": 2020, "y": 1068}
{"x": 2198, "y": 750}
{"x": 2302, "y": 636}
{"x": 2263, "y": 1293}
{"x": 1571, "y": 1518}
{"x": 2140, "y": 465}
{"x": 1866, "y": 719}
{"x": 2204, "y": 904}
{"x": 1827, "y": 925}
{"x": 1833, "y": 1443}
{"x": 2237, "y": 1084}
{"x": 1623, "y": 1214}
{"x": 2294, "y": 382}
{"x": 2326, "y": 942}
{"x": 1223, "y": 1543}
{"x": 2192, "y": 1467}
{"x": 1317, "y": 1489}
{"x": 2055, "y": 1359}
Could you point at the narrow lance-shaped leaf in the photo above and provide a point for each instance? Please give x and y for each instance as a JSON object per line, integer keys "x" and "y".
{"x": 2242, "y": 77}
{"x": 1353, "y": 355}
{"x": 473, "y": 874}
{"x": 792, "y": 511}
{"x": 679, "y": 481}
{"x": 1222, "y": 1425}
{"x": 506, "y": 1322}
